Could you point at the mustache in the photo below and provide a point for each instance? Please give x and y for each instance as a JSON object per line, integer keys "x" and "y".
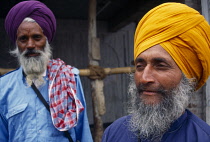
{"x": 31, "y": 51}
{"x": 146, "y": 87}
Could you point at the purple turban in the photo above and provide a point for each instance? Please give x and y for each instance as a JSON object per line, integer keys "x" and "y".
{"x": 35, "y": 10}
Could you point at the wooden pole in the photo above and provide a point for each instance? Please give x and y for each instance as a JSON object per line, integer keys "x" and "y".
{"x": 108, "y": 71}
{"x": 87, "y": 72}
{"x": 3, "y": 70}
{"x": 96, "y": 85}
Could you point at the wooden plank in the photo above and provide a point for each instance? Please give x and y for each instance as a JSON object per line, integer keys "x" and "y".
{"x": 96, "y": 85}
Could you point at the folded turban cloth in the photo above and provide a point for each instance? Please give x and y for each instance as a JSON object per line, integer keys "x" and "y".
{"x": 183, "y": 32}
{"x": 35, "y": 10}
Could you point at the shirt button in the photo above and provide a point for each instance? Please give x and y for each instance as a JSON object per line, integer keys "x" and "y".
{"x": 38, "y": 112}
{"x": 39, "y": 131}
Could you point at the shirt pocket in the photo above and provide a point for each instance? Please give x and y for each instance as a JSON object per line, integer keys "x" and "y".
{"x": 14, "y": 116}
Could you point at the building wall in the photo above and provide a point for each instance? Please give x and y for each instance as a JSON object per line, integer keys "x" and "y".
{"x": 206, "y": 12}
{"x": 6, "y": 61}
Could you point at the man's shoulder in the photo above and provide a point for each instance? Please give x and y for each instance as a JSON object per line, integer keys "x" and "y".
{"x": 120, "y": 123}
{"x": 119, "y": 131}
{"x": 75, "y": 71}
{"x": 192, "y": 129}
{"x": 68, "y": 67}
{"x": 121, "y": 120}
{"x": 199, "y": 123}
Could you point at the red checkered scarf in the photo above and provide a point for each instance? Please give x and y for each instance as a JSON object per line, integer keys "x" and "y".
{"x": 64, "y": 104}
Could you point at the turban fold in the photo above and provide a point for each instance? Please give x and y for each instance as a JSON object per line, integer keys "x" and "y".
{"x": 35, "y": 10}
{"x": 183, "y": 32}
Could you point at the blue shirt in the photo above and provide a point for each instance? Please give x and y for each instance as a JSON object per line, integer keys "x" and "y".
{"x": 187, "y": 128}
{"x": 23, "y": 117}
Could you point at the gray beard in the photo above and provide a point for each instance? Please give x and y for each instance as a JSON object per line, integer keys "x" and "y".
{"x": 152, "y": 121}
{"x": 34, "y": 67}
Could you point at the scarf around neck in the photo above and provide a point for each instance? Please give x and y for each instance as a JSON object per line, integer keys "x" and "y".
{"x": 64, "y": 104}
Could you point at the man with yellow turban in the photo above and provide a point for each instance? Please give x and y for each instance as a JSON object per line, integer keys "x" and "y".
{"x": 172, "y": 61}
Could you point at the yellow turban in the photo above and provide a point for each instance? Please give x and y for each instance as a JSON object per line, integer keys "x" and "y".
{"x": 183, "y": 32}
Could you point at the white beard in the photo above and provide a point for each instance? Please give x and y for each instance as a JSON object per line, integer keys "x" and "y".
{"x": 34, "y": 67}
{"x": 152, "y": 121}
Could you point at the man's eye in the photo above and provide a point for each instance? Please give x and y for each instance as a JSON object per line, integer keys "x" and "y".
{"x": 162, "y": 66}
{"x": 37, "y": 37}
{"x": 139, "y": 66}
{"x": 22, "y": 38}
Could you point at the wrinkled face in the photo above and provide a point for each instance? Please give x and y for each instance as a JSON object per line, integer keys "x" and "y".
{"x": 30, "y": 36}
{"x": 155, "y": 71}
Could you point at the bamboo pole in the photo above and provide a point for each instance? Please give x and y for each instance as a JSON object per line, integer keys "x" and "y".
{"x": 108, "y": 71}
{"x": 3, "y": 70}
{"x": 87, "y": 72}
{"x": 96, "y": 85}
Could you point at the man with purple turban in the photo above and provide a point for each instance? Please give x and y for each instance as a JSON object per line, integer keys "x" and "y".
{"x": 172, "y": 61}
{"x": 43, "y": 100}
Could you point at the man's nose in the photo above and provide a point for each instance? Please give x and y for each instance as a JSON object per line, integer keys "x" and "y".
{"x": 30, "y": 44}
{"x": 147, "y": 75}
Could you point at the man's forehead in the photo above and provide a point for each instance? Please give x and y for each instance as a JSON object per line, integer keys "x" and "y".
{"x": 29, "y": 26}
{"x": 156, "y": 50}
{"x": 153, "y": 59}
